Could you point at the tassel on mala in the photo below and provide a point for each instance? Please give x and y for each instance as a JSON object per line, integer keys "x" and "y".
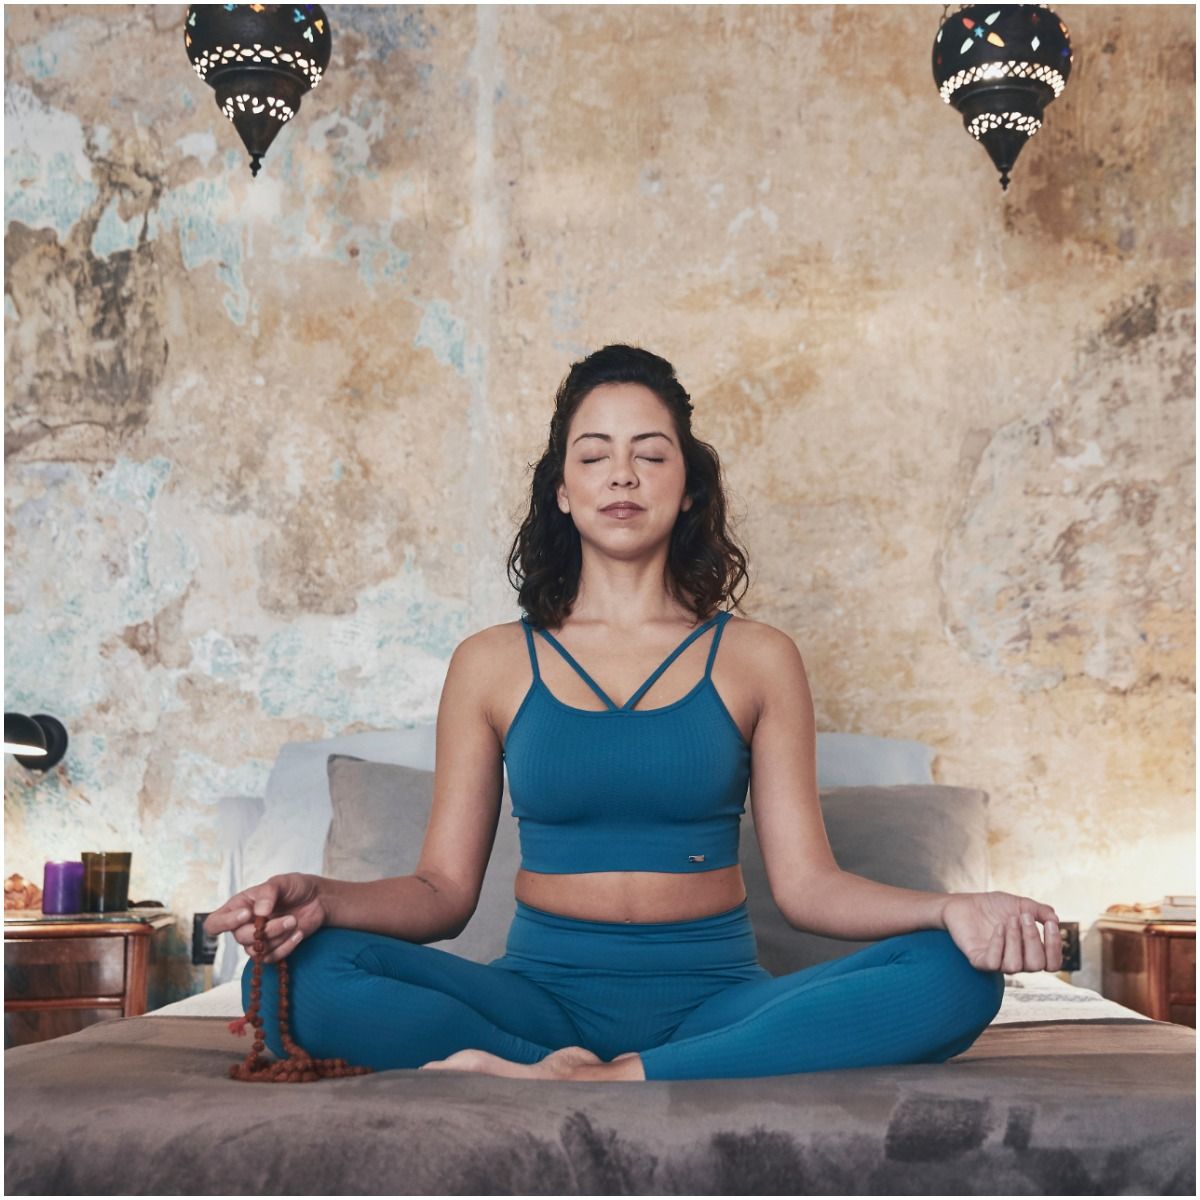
{"x": 299, "y": 1066}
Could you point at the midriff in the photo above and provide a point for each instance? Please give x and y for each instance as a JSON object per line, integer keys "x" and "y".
{"x": 633, "y": 896}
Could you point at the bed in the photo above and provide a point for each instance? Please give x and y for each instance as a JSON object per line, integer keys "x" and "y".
{"x": 1064, "y": 1093}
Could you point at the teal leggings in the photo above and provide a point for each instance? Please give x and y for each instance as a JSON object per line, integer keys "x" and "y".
{"x": 689, "y": 996}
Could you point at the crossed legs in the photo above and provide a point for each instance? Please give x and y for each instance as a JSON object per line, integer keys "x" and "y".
{"x": 385, "y": 1003}
{"x": 382, "y": 1002}
{"x": 912, "y": 998}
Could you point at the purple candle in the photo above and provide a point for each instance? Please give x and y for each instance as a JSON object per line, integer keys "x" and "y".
{"x": 62, "y": 887}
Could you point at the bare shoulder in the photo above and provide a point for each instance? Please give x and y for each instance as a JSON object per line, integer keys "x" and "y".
{"x": 488, "y": 652}
{"x": 499, "y": 639}
{"x": 493, "y": 658}
{"x": 760, "y": 643}
{"x": 769, "y": 660}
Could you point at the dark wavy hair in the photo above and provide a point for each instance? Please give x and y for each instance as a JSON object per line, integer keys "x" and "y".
{"x": 704, "y": 563}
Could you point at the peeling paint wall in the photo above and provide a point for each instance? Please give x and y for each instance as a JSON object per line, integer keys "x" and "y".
{"x": 266, "y": 440}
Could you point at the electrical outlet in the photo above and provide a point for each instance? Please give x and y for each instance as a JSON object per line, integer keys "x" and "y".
{"x": 204, "y": 946}
{"x": 1069, "y": 932}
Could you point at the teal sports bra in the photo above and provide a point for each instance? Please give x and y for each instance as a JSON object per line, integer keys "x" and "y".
{"x": 627, "y": 789}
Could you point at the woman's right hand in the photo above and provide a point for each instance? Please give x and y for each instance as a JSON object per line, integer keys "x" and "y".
{"x": 292, "y": 901}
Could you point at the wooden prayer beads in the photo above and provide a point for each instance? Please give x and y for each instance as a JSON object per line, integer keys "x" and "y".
{"x": 299, "y": 1066}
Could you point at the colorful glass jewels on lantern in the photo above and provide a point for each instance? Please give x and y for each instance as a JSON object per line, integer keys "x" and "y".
{"x": 259, "y": 59}
{"x": 1000, "y": 65}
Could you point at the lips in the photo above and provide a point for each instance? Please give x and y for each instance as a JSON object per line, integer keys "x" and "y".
{"x": 622, "y": 508}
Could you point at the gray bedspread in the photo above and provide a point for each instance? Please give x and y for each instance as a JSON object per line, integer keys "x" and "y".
{"x": 144, "y": 1105}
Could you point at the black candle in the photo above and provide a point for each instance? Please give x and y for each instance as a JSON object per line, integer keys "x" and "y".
{"x": 106, "y": 880}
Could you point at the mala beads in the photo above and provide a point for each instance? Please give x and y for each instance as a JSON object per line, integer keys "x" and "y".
{"x": 299, "y": 1066}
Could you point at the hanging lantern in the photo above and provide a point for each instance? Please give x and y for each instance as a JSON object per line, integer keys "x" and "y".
{"x": 259, "y": 59}
{"x": 1000, "y": 65}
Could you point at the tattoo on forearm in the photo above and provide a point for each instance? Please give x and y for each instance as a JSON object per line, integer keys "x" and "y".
{"x": 428, "y": 883}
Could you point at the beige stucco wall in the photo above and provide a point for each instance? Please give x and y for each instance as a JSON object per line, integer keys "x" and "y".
{"x": 266, "y": 440}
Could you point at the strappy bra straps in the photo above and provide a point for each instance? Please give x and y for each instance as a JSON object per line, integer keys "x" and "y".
{"x": 720, "y": 620}
{"x": 532, "y": 651}
{"x": 566, "y": 654}
{"x": 687, "y": 641}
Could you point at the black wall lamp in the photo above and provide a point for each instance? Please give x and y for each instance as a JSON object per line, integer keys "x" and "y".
{"x": 1000, "y": 65}
{"x": 38, "y": 742}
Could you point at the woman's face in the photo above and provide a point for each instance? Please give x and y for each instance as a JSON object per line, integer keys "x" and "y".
{"x": 609, "y": 457}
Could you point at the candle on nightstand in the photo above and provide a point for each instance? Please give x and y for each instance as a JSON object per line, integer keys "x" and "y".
{"x": 62, "y": 887}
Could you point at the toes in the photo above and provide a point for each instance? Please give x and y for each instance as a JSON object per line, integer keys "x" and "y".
{"x": 460, "y": 1060}
{"x": 576, "y": 1054}
{"x": 560, "y": 1063}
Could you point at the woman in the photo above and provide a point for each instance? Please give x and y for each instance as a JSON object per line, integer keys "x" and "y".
{"x": 630, "y": 744}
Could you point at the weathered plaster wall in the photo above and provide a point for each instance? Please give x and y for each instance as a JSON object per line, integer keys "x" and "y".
{"x": 266, "y": 440}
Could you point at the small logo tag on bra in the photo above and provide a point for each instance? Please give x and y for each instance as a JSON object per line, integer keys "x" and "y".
{"x": 695, "y": 858}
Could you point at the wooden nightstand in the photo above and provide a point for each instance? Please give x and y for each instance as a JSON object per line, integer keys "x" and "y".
{"x": 62, "y": 973}
{"x": 1150, "y": 966}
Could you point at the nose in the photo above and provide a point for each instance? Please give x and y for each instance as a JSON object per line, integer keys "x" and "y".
{"x": 621, "y": 466}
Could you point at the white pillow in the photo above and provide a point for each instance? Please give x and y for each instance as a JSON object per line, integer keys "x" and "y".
{"x": 297, "y": 811}
{"x": 862, "y": 760}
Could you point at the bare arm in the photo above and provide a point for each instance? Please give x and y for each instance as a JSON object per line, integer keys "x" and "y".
{"x": 418, "y": 908}
{"x": 438, "y": 899}
{"x": 422, "y": 907}
{"x": 811, "y": 891}
{"x": 858, "y": 909}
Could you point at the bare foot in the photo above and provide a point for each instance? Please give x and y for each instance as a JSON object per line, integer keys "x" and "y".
{"x": 559, "y": 1064}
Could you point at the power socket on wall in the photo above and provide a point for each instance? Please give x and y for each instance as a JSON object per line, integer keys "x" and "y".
{"x": 204, "y": 946}
{"x": 1069, "y": 931}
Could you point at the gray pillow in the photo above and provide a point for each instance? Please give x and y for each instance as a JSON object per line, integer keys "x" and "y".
{"x": 930, "y": 837}
{"x": 380, "y": 813}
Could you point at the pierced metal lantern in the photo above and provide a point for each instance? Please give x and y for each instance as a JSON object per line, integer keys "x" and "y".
{"x": 259, "y": 59}
{"x": 1000, "y": 65}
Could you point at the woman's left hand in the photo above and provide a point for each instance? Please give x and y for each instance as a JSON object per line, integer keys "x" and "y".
{"x": 998, "y": 931}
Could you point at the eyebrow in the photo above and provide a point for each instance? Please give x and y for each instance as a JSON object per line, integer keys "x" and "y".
{"x": 637, "y": 437}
